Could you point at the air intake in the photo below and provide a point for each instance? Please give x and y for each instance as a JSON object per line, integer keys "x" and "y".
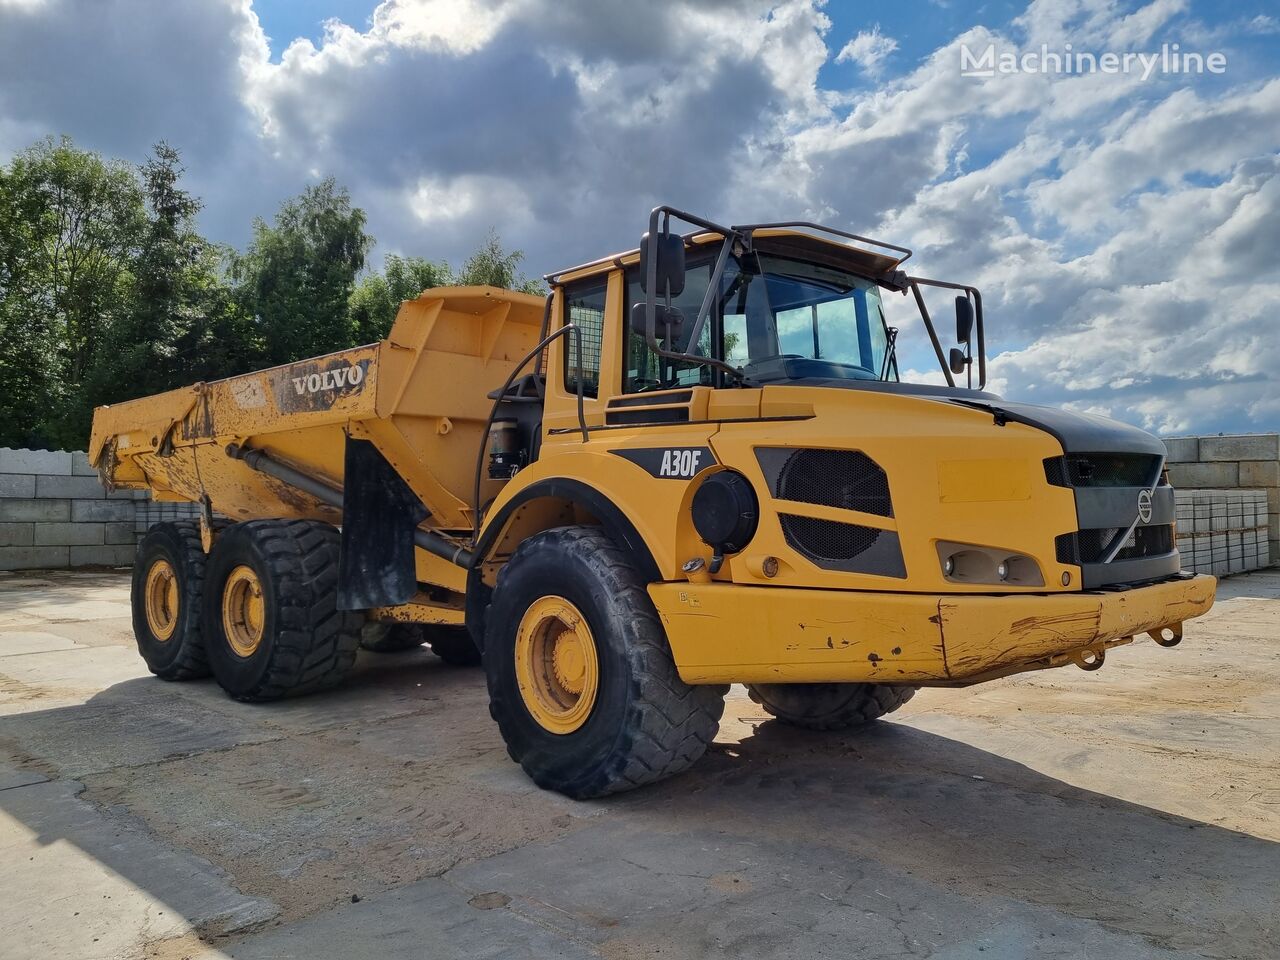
{"x": 1103, "y": 470}
{"x": 845, "y": 479}
{"x": 847, "y": 547}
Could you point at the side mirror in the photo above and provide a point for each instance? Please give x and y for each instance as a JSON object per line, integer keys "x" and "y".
{"x": 667, "y": 249}
{"x": 957, "y": 360}
{"x": 668, "y": 322}
{"x": 964, "y": 321}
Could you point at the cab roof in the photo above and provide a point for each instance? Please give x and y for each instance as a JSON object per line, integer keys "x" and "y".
{"x": 799, "y": 240}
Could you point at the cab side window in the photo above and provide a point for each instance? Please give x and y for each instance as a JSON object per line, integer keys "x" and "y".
{"x": 642, "y": 368}
{"x": 584, "y": 308}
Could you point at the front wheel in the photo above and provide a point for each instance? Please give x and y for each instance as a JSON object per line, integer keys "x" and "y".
{"x": 581, "y": 680}
{"x": 829, "y": 706}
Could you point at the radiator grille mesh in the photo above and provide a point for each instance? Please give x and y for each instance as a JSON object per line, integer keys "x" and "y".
{"x": 845, "y": 479}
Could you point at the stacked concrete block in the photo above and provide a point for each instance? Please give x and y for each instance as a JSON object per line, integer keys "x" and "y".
{"x": 55, "y": 513}
{"x": 148, "y": 512}
{"x": 1222, "y": 531}
{"x": 1247, "y": 463}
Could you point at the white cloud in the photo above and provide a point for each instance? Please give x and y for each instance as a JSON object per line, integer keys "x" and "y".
{"x": 868, "y": 50}
{"x": 1123, "y": 231}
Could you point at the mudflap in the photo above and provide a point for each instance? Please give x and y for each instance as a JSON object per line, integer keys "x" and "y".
{"x": 379, "y": 516}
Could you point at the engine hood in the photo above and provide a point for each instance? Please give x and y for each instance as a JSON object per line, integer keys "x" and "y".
{"x": 1077, "y": 432}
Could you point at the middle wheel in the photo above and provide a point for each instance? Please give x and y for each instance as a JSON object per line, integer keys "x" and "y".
{"x": 271, "y": 624}
{"x": 581, "y": 680}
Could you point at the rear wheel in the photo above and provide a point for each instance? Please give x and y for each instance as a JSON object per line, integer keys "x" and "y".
{"x": 166, "y": 596}
{"x": 271, "y": 624}
{"x": 581, "y": 680}
{"x": 829, "y": 706}
{"x": 453, "y": 645}
{"x": 391, "y": 637}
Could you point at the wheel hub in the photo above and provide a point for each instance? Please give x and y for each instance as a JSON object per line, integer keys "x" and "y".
{"x": 161, "y": 599}
{"x": 243, "y": 611}
{"x": 557, "y": 669}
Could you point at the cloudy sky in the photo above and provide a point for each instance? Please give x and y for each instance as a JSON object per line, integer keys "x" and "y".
{"x": 1125, "y": 229}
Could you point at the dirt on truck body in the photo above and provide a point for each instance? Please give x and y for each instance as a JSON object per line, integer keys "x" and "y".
{"x": 690, "y": 465}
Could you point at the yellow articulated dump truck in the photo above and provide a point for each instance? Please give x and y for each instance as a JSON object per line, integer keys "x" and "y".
{"x": 689, "y": 465}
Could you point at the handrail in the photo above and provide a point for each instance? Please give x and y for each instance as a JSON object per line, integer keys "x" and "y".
{"x": 493, "y": 413}
{"x": 810, "y": 225}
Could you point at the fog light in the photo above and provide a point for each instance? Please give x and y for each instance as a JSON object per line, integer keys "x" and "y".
{"x": 949, "y": 566}
{"x": 1002, "y": 571}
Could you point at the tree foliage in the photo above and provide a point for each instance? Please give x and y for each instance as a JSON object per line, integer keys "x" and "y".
{"x": 298, "y": 274}
{"x": 108, "y": 291}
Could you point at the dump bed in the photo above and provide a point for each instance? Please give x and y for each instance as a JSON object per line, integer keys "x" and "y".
{"x": 419, "y": 396}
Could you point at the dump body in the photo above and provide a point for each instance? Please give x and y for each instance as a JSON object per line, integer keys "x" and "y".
{"x": 419, "y": 396}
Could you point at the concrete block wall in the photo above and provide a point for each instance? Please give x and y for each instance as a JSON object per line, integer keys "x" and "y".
{"x": 1242, "y": 463}
{"x": 54, "y": 513}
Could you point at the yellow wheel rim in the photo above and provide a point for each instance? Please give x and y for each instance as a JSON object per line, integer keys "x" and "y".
{"x": 243, "y": 612}
{"x": 556, "y": 665}
{"x": 160, "y": 599}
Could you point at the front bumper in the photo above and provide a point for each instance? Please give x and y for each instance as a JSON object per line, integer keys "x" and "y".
{"x": 730, "y": 633}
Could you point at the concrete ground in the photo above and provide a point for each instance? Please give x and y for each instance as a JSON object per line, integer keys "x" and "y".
{"x": 1128, "y": 813}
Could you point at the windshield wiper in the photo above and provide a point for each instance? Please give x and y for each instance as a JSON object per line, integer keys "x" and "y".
{"x": 890, "y": 353}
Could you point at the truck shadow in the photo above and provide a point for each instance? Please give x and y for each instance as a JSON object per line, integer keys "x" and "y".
{"x": 938, "y": 809}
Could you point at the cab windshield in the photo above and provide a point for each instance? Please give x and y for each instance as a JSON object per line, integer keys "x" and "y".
{"x": 776, "y": 319}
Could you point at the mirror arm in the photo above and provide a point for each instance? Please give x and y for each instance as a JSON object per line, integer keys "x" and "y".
{"x": 712, "y": 286}
{"x": 982, "y": 343}
{"x": 651, "y": 278}
{"x": 933, "y": 334}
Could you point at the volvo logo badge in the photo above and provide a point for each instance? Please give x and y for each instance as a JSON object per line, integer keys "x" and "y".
{"x": 1144, "y": 506}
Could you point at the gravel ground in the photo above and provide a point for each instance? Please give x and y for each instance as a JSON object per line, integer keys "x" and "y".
{"x": 1133, "y": 812}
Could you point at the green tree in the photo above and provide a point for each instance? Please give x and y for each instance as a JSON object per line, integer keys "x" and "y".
{"x": 172, "y": 273}
{"x": 298, "y": 274}
{"x": 71, "y": 227}
{"x": 498, "y": 268}
{"x": 377, "y": 297}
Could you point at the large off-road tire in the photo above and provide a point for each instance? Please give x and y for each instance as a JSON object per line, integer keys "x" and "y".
{"x": 166, "y": 596}
{"x": 829, "y": 706}
{"x": 581, "y": 679}
{"x": 391, "y": 637}
{"x": 271, "y": 624}
{"x": 453, "y": 645}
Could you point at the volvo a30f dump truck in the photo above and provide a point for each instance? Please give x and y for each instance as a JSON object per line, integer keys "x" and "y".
{"x": 689, "y": 465}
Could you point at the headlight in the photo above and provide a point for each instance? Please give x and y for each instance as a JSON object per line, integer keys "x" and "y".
{"x": 968, "y": 563}
{"x": 725, "y": 513}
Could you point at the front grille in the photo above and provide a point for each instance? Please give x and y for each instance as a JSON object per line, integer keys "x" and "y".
{"x": 1148, "y": 542}
{"x": 845, "y": 479}
{"x": 827, "y": 540}
{"x": 1091, "y": 546}
{"x": 1103, "y": 470}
